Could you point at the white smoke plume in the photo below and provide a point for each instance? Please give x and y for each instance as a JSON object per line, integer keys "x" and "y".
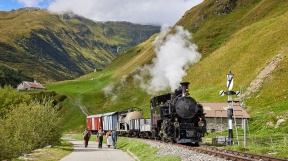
{"x": 174, "y": 54}
{"x": 123, "y": 82}
{"x": 111, "y": 89}
{"x": 108, "y": 90}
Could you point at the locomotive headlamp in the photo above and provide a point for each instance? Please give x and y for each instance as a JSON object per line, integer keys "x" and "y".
{"x": 176, "y": 124}
{"x": 201, "y": 123}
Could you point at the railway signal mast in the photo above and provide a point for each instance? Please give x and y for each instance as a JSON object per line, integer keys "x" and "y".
{"x": 229, "y": 92}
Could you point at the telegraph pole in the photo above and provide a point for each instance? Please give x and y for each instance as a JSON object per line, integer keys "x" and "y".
{"x": 229, "y": 92}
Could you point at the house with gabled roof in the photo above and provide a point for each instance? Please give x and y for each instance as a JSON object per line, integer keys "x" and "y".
{"x": 216, "y": 115}
{"x": 25, "y": 85}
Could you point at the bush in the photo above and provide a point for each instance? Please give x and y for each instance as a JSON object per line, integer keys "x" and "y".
{"x": 8, "y": 97}
{"x": 57, "y": 98}
{"x": 27, "y": 127}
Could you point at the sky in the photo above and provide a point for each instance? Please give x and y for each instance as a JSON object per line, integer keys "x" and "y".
{"x": 154, "y": 12}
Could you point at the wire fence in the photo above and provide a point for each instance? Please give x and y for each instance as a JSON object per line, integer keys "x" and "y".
{"x": 253, "y": 140}
{"x": 271, "y": 140}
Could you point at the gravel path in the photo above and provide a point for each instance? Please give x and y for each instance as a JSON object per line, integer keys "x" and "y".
{"x": 92, "y": 153}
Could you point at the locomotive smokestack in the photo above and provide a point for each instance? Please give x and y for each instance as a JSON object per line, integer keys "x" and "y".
{"x": 184, "y": 86}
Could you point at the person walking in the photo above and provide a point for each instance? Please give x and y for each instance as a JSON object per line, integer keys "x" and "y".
{"x": 86, "y": 135}
{"x": 114, "y": 137}
{"x": 100, "y": 138}
{"x": 109, "y": 138}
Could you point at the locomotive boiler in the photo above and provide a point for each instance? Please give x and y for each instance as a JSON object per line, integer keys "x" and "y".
{"x": 177, "y": 117}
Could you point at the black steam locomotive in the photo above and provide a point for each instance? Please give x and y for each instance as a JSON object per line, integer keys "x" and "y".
{"x": 177, "y": 117}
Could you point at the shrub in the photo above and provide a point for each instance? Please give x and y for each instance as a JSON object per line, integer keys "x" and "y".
{"x": 8, "y": 97}
{"x": 27, "y": 127}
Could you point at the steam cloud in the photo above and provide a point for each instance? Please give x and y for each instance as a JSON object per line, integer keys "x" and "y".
{"x": 174, "y": 54}
{"x": 108, "y": 90}
{"x": 111, "y": 90}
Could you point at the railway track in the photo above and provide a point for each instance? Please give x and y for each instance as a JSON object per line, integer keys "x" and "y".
{"x": 224, "y": 153}
{"x": 231, "y": 154}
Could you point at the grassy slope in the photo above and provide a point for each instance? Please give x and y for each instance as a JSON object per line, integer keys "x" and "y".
{"x": 258, "y": 35}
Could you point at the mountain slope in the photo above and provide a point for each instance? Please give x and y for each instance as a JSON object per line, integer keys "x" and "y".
{"x": 250, "y": 39}
{"x": 50, "y": 47}
{"x": 245, "y": 39}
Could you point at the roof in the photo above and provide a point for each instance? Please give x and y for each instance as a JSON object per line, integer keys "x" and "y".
{"x": 219, "y": 109}
{"x": 108, "y": 114}
{"x": 34, "y": 85}
{"x": 93, "y": 116}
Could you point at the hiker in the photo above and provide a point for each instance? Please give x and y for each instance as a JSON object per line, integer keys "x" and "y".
{"x": 86, "y": 135}
{"x": 114, "y": 137}
{"x": 109, "y": 138}
{"x": 100, "y": 138}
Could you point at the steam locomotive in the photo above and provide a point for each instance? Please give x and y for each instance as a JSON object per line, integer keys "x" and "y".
{"x": 178, "y": 117}
{"x": 175, "y": 117}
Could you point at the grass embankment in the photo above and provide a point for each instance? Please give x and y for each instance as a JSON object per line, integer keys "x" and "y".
{"x": 143, "y": 151}
{"x": 54, "y": 153}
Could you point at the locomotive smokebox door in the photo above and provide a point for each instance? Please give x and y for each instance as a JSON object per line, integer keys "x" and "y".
{"x": 186, "y": 107}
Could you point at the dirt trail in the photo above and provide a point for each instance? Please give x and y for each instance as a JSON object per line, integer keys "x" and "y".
{"x": 256, "y": 84}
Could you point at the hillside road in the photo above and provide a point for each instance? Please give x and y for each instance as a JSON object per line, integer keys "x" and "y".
{"x": 92, "y": 152}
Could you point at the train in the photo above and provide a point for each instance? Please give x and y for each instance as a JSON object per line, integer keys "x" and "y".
{"x": 174, "y": 117}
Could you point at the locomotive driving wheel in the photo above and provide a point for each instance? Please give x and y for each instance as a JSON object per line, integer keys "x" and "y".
{"x": 167, "y": 132}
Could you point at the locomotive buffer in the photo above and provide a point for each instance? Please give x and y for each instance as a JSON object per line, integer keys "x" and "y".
{"x": 229, "y": 92}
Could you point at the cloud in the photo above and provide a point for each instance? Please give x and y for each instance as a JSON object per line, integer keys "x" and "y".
{"x": 174, "y": 54}
{"x": 136, "y": 11}
{"x": 156, "y": 12}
